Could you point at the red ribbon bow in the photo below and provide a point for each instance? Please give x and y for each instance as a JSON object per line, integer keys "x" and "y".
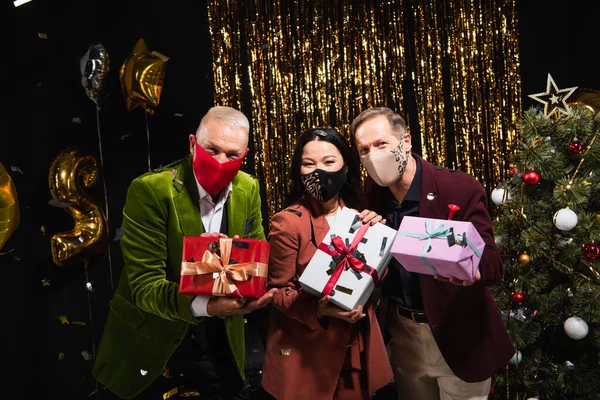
{"x": 348, "y": 260}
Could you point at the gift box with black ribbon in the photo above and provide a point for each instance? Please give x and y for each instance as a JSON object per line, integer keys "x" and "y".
{"x": 350, "y": 261}
{"x": 224, "y": 267}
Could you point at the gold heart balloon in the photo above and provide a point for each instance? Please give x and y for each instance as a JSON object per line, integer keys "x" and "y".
{"x": 9, "y": 206}
{"x": 142, "y": 76}
{"x": 71, "y": 172}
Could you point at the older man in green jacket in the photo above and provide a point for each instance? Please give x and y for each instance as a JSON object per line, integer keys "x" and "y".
{"x": 148, "y": 319}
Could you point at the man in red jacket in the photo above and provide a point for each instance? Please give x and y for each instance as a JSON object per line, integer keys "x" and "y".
{"x": 447, "y": 336}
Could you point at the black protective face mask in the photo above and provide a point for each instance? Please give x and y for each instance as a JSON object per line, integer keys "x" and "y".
{"x": 324, "y": 185}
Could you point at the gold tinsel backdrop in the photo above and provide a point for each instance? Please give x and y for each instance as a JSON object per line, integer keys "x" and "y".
{"x": 451, "y": 66}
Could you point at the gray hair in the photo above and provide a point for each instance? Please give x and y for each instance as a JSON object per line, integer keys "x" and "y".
{"x": 227, "y": 116}
{"x": 396, "y": 121}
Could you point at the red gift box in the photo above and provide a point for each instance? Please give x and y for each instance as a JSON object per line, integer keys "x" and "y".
{"x": 224, "y": 267}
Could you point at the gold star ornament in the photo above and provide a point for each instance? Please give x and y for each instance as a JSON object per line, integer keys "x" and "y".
{"x": 554, "y": 99}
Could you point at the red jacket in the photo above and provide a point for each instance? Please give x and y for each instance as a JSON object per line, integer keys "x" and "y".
{"x": 314, "y": 355}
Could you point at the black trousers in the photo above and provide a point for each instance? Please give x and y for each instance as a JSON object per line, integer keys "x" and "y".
{"x": 202, "y": 367}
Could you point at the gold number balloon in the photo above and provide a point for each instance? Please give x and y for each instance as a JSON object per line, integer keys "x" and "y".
{"x": 142, "y": 76}
{"x": 9, "y": 206}
{"x": 71, "y": 172}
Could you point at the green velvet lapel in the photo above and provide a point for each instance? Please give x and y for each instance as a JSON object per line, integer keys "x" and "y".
{"x": 236, "y": 205}
{"x": 187, "y": 199}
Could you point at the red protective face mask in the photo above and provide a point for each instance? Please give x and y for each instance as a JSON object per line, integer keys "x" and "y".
{"x": 212, "y": 175}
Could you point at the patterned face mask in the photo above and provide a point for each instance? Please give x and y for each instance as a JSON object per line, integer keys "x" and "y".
{"x": 324, "y": 185}
{"x": 386, "y": 166}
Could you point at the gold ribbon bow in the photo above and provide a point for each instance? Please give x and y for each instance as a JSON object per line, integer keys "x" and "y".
{"x": 211, "y": 263}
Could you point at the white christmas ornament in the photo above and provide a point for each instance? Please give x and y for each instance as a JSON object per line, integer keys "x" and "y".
{"x": 576, "y": 328}
{"x": 565, "y": 219}
{"x": 516, "y": 358}
{"x": 500, "y": 196}
{"x": 500, "y": 240}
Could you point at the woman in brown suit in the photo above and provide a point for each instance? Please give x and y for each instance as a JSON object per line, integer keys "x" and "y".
{"x": 316, "y": 350}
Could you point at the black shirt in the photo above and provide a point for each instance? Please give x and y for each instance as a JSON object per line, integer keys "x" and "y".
{"x": 401, "y": 286}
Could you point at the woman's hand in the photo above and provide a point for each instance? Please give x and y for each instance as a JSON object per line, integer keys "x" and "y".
{"x": 326, "y": 309}
{"x": 368, "y": 216}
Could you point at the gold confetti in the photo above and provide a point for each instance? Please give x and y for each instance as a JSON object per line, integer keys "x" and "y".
{"x": 189, "y": 394}
{"x": 78, "y": 323}
{"x": 45, "y": 282}
{"x": 170, "y": 393}
{"x": 63, "y": 319}
{"x": 42, "y": 35}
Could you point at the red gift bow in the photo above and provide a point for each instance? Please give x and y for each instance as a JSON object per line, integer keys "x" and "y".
{"x": 348, "y": 260}
{"x": 228, "y": 273}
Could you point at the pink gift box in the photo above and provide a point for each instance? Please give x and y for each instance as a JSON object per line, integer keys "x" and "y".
{"x": 438, "y": 247}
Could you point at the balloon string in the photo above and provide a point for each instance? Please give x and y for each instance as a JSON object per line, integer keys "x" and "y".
{"x": 87, "y": 280}
{"x": 148, "y": 140}
{"x": 110, "y": 269}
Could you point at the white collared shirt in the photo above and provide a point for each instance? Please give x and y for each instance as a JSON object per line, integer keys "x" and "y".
{"x": 212, "y": 215}
{"x": 211, "y": 212}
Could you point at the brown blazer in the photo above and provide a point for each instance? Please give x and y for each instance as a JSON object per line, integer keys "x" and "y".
{"x": 303, "y": 360}
{"x": 465, "y": 321}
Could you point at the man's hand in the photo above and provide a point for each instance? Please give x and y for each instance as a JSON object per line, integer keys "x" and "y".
{"x": 329, "y": 310}
{"x": 368, "y": 216}
{"x": 222, "y": 306}
{"x": 218, "y": 235}
{"x": 458, "y": 282}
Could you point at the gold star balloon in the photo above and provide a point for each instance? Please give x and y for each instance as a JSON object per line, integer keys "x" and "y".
{"x": 554, "y": 99}
{"x": 9, "y": 206}
{"x": 142, "y": 76}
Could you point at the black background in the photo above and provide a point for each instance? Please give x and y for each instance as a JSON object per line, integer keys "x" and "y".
{"x": 44, "y": 96}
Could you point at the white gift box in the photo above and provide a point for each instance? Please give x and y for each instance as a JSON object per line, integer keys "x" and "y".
{"x": 371, "y": 254}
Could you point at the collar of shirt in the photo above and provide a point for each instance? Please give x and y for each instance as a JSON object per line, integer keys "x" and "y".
{"x": 414, "y": 191}
{"x": 224, "y": 194}
{"x": 205, "y": 196}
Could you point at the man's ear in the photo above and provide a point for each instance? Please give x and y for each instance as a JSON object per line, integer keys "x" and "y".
{"x": 407, "y": 140}
{"x": 192, "y": 144}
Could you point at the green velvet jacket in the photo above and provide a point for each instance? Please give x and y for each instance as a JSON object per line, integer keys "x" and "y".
{"x": 147, "y": 317}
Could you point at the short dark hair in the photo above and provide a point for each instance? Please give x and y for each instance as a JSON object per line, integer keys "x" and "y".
{"x": 396, "y": 121}
{"x": 333, "y": 136}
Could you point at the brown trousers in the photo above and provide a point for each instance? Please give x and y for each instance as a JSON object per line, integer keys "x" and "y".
{"x": 420, "y": 371}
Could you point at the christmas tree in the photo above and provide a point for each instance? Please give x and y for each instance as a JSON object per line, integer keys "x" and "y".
{"x": 547, "y": 225}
